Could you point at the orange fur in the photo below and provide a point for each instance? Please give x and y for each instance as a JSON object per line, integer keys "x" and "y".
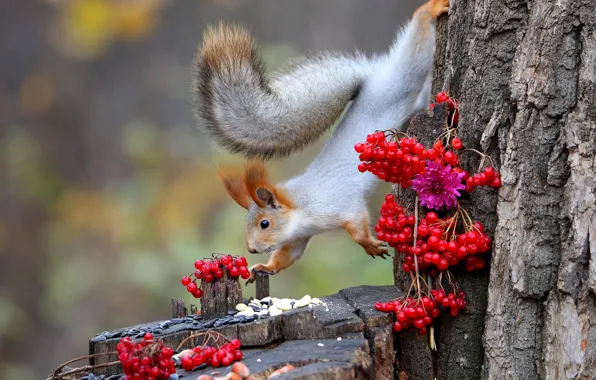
{"x": 236, "y": 188}
{"x": 256, "y": 176}
{"x": 226, "y": 46}
{"x": 434, "y": 8}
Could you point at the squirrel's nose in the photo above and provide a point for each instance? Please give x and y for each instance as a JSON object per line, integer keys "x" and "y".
{"x": 252, "y": 250}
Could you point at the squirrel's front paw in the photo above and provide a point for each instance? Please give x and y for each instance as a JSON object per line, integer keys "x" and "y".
{"x": 258, "y": 268}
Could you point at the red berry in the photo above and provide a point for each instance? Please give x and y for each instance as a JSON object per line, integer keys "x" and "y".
{"x": 431, "y": 217}
{"x": 234, "y": 272}
{"x": 456, "y": 143}
{"x": 442, "y": 97}
{"x": 241, "y": 262}
{"x": 185, "y": 280}
{"x": 148, "y": 336}
{"x": 192, "y": 287}
{"x": 199, "y": 264}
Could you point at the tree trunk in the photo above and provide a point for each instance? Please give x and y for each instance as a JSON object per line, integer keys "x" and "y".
{"x": 525, "y": 72}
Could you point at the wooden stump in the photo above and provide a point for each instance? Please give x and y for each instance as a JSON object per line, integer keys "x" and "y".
{"x": 178, "y": 308}
{"x": 262, "y": 286}
{"x": 220, "y": 296}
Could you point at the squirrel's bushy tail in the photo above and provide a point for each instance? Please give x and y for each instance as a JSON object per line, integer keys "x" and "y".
{"x": 248, "y": 114}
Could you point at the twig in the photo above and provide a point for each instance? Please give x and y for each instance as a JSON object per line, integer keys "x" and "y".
{"x": 414, "y": 249}
{"x": 83, "y": 369}
{"x": 210, "y": 334}
{"x": 432, "y": 343}
{"x": 81, "y": 358}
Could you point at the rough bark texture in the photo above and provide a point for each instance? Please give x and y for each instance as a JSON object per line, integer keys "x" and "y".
{"x": 526, "y": 75}
{"x": 220, "y": 296}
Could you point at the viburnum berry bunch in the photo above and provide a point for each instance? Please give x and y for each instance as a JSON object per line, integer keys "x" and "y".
{"x": 438, "y": 246}
{"x": 391, "y": 161}
{"x": 146, "y": 359}
{"x": 420, "y": 313}
{"x": 216, "y": 351}
{"x": 215, "y": 357}
{"x": 488, "y": 177}
{"x": 211, "y": 269}
{"x": 431, "y": 244}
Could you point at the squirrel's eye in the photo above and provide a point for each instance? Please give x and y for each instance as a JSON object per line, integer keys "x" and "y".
{"x": 264, "y": 223}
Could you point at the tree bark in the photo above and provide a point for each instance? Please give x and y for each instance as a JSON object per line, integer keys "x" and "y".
{"x": 525, "y": 72}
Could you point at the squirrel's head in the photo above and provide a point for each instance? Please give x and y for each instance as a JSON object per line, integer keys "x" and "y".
{"x": 269, "y": 207}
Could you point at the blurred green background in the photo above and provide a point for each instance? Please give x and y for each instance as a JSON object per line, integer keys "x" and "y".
{"x": 108, "y": 192}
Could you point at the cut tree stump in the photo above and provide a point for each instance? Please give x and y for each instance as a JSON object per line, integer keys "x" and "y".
{"x": 262, "y": 286}
{"x": 220, "y": 296}
{"x": 342, "y": 338}
{"x": 178, "y": 308}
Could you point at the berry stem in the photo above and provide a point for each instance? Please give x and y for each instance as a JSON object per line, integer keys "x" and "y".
{"x": 481, "y": 155}
{"x": 432, "y": 343}
{"x": 57, "y": 375}
{"x": 467, "y": 219}
{"x": 80, "y": 358}
{"x": 209, "y": 334}
{"x": 416, "y": 238}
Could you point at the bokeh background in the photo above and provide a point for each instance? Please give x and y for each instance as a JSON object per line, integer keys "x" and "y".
{"x": 108, "y": 191}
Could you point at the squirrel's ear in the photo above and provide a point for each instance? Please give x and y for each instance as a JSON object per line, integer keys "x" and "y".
{"x": 260, "y": 188}
{"x": 236, "y": 187}
{"x": 257, "y": 182}
{"x": 266, "y": 198}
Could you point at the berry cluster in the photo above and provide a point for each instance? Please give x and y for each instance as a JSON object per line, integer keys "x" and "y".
{"x": 453, "y": 302}
{"x": 438, "y": 246}
{"x": 444, "y": 156}
{"x": 411, "y": 312}
{"x": 391, "y": 161}
{"x": 419, "y": 313}
{"x": 453, "y": 105}
{"x": 146, "y": 359}
{"x": 488, "y": 177}
{"x": 212, "y": 269}
{"x": 215, "y": 357}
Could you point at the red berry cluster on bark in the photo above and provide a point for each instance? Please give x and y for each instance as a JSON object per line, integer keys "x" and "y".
{"x": 444, "y": 156}
{"x": 488, "y": 177}
{"x": 438, "y": 245}
{"x": 213, "y": 356}
{"x": 420, "y": 313}
{"x": 453, "y": 302}
{"x": 146, "y": 359}
{"x": 211, "y": 269}
{"x": 391, "y": 161}
{"x": 431, "y": 245}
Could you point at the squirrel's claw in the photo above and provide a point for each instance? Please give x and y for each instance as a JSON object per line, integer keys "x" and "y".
{"x": 253, "y": 274}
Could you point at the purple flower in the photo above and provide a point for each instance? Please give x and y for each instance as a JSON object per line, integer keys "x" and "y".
{"x": 438, "y": 186}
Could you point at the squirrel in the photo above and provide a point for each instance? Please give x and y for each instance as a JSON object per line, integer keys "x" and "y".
{"x": 261, "y": 118}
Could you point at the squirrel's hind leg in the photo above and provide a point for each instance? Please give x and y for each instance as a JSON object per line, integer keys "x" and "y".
{"x": 360, "y": 233}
